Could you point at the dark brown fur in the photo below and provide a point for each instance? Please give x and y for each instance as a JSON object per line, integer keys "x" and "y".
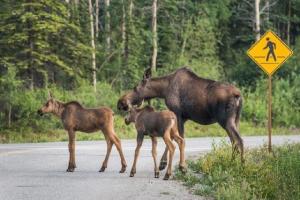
{"x": 192, "y": 98}
{"x": 77, "y": 118}
{"x": 156, "y": 124}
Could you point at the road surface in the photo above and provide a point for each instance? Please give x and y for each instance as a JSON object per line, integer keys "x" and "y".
{"x": 37, "y": 171}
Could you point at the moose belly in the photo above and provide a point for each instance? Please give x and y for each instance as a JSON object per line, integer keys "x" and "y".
{"x": 88, "y": 127}
{"x": 198, "y": 115}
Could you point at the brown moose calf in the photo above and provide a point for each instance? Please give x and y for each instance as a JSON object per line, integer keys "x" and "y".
{"x": 76, "y": 118}
{"x": 162, "y": 124}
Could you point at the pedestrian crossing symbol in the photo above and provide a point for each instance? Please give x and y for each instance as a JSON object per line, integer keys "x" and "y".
{"x": 269, "y": 52}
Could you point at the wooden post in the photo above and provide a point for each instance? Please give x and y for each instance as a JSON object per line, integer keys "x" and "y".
{"x": 270, "y": 114}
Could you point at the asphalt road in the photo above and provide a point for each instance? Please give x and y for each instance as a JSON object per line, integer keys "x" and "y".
{"x": 37, "y": 171}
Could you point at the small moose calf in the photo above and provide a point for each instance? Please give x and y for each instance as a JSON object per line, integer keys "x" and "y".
{"x": 77, "y": 118}
{"x": 156, "y": 124}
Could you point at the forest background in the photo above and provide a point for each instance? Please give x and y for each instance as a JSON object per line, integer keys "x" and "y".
{"x": 93, "y": 51}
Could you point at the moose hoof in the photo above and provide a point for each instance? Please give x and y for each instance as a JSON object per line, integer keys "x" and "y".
{"x": 102, "y": 169}
{"x": 182, "y": 169}
{"x": 156, "y": 174}
{"x": 132, "y": 173}
{"x": 70, "y": 169}
{"x": 123, "y": 169}
{"x": 167, "y": 176}
{"x": 162, "y": 165}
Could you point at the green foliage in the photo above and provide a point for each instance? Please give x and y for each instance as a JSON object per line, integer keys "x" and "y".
{"x": 285, "y": 102}
{"x": 46, "y": 45}
{"x": 38, "y": 38}
{"x": 28, "y": 102}
{"x": 263, "y": 176}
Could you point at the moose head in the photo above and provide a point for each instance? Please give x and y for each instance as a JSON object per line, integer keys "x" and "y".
{"x": 50, "y": 106}
{"x": 138, "y": 94}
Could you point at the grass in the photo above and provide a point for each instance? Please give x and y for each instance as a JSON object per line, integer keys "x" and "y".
{"x": 128, "y": 132}
{"x": 263, "y": 176}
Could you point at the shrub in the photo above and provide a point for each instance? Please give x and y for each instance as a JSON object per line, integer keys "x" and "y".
{"x": 263, "y": 176}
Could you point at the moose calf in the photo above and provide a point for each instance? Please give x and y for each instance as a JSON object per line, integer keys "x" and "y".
{"x": 76, "y": 118}
{"x": 163, "y": 124}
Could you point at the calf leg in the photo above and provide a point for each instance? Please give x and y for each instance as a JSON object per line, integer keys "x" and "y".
{"x": 154, "y": 155}
{"x": 72, "y": 165}
{"x": 171, "y": 147}
{"x": 116, "y": 141}
{"x": 164, "y": 159}
{"x": 136, "y": 154}
{"x": 109, "y": 147}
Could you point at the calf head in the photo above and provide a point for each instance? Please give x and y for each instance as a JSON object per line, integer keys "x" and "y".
{"x": 131, "y": 115}
{"x": 49, "y": 107}
{"x": 134, "y": 112}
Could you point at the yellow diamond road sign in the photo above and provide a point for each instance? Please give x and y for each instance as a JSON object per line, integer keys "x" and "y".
{"x": 269, "y": 52}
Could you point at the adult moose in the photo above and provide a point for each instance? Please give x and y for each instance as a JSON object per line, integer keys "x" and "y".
{"x": 77, "y": 118}
{"x": 192, "y": 98}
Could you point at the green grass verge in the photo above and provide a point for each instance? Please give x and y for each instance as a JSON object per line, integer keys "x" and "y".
{"x": 128, "y": 132}
{"x": 263, "y": 176}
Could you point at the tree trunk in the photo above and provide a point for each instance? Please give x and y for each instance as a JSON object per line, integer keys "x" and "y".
{"x": 9, "y": 116}
{"x": 128, "y": 31}
{"x": 31, "y": 84}
{"x": 130, "y": 9}
{"x": 107, "y": 24}
{"x": 268, "y": 10}
{"x": 257, "y": 20}
{"x": 288, "y": 28}
{"x": 154, "y": 35}
{"x": 30, "y": 41}
{"x": 97, "y": 19}
{"x": 123, "y": 29}
{"x": 93, "y": 45}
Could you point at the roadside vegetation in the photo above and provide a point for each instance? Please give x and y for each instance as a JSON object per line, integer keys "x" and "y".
{"x": 263, "y": 176}
{"x": 28, "y": 126}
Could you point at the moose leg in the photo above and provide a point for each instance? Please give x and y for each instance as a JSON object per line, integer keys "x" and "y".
{"x": 136, "y": 154}
{"x": 237, "y": 140}
{"x": 154, "y": 155}
{"x": 231, "y": 137}
{"x": 181, "y": 144}
{"x": 72, "y": 165}
{"x": 109, "y": 147}
{"x": 109, "y": 132}
{"x": 116, "y": 141}
{"x": 164, "y": 159}
{"x": 171, "y": 147}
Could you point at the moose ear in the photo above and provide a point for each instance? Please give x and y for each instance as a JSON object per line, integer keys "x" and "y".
{"x": 147, "y": 73}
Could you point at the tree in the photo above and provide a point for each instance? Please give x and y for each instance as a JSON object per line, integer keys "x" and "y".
{"x": 257, "y": 20}
{"x": 93, "y": 45}
{"x": 36, "y": 38}
{"x": 154, "y": 35}
{"x": 97, "y": 18}
{"x": 107, "y": 25}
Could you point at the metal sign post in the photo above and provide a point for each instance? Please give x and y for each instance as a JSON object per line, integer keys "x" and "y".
{"x": 269, "y": 53}
{"x": 270, "y": 114}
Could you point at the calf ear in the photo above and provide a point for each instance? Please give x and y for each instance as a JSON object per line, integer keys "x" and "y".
{"x": 147, "y": 73}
